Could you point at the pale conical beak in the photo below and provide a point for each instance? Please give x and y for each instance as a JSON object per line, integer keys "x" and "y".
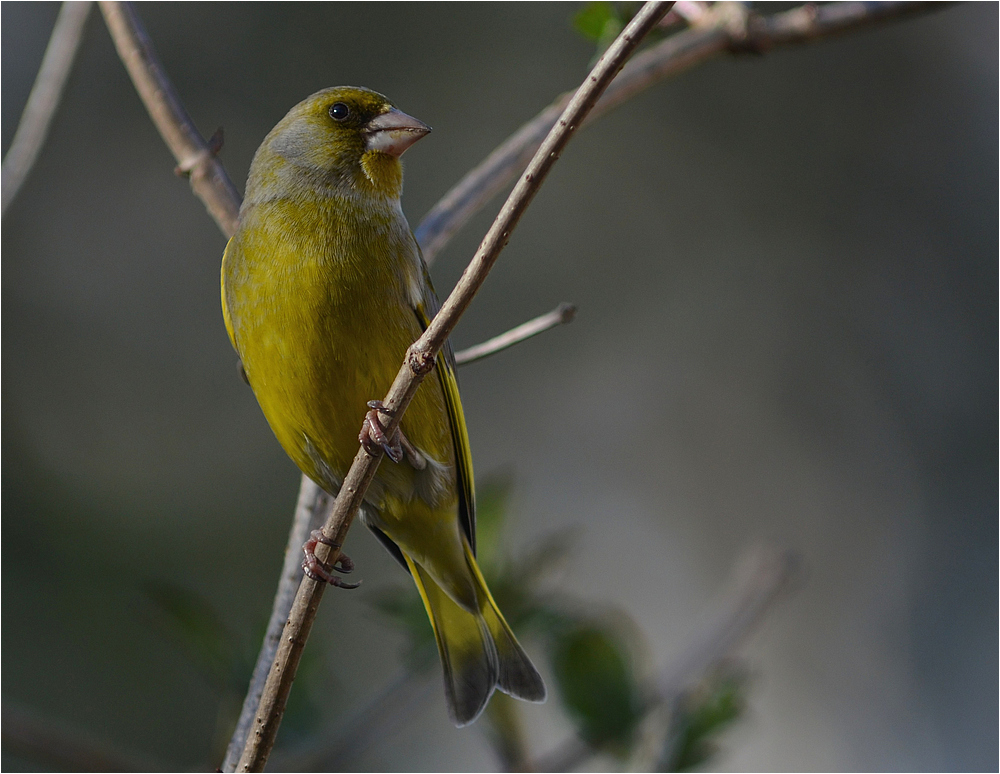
{"x": 393, "y": 132}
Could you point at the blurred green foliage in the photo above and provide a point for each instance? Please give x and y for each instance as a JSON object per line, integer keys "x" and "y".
{"x": 701, "y": 716}
{"x": 600, "y": 22}
{"x": 597, "y": 685}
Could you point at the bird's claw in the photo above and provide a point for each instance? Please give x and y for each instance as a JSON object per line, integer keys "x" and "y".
{"x": 373, "y": 435}
{"x": 319, "y": 571}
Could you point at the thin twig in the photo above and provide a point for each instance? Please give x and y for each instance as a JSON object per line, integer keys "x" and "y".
{"x": 312, "y": 505}
{"x": 762, "y": 578}
{"x": 418, "y": 363}
{"x": 727, "y": 28}
{"x": 43, "y": 99}
{"x": 195, "y": 157}
{"x": 561, "y": 315}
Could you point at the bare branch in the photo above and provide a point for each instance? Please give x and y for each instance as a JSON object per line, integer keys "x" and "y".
{"x": 561, "y": 315}
{"x": 194, "y": 156}
{"x": 726, "y": 27}
{"x": 419, "y": 362}
{"x": 810, "y": 22}
{"x": 43, "y": 99}
{"x": 761, "y": 579}
{"x": 313, "y": 504}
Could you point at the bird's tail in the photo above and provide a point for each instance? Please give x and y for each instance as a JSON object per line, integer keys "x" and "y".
{"x": 478, "y": 650}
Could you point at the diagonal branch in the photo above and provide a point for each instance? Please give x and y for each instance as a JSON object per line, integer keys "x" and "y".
{"x": 418, "y": 363}
{"x": 43, "y": 99}
{"x": 194, "y": 156}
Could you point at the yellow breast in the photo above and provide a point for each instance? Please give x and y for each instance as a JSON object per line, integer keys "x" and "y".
{"x": 319, "y": 305}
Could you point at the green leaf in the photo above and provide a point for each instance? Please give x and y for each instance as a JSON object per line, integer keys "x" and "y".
{"x": 596, "y": 684}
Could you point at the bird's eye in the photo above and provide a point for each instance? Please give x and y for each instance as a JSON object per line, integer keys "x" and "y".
{"x": 339, "y": 111}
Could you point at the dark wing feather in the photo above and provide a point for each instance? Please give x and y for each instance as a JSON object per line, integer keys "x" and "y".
{"x": 389, "y": 546}
{"x": 456, "y": 418}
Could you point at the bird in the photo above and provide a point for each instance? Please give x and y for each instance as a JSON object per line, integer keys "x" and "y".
{"x": 324, "y": 288}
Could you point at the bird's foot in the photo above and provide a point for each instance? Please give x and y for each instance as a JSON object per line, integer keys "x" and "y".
{"x": 373, "y": 437}
{"x": 319, "y": 571}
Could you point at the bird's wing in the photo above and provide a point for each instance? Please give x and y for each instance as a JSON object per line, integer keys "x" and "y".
{"x": 456, "y": 418}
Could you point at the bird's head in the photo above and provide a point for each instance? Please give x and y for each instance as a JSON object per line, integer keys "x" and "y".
{"x": 345, "y": 138}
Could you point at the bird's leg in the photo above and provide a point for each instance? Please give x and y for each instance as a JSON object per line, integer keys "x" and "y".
{"x": 320, "y": 572}
{"x": 417, "y": 460}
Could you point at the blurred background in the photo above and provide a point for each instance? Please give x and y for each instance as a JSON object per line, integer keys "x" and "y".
{"x": 786, "y": 273}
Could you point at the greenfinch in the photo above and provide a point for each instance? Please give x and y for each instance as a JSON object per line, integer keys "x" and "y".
{"x": 323, "y": 289}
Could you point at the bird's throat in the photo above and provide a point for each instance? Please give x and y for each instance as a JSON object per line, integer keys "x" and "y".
{"x": 384, "y": 172}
